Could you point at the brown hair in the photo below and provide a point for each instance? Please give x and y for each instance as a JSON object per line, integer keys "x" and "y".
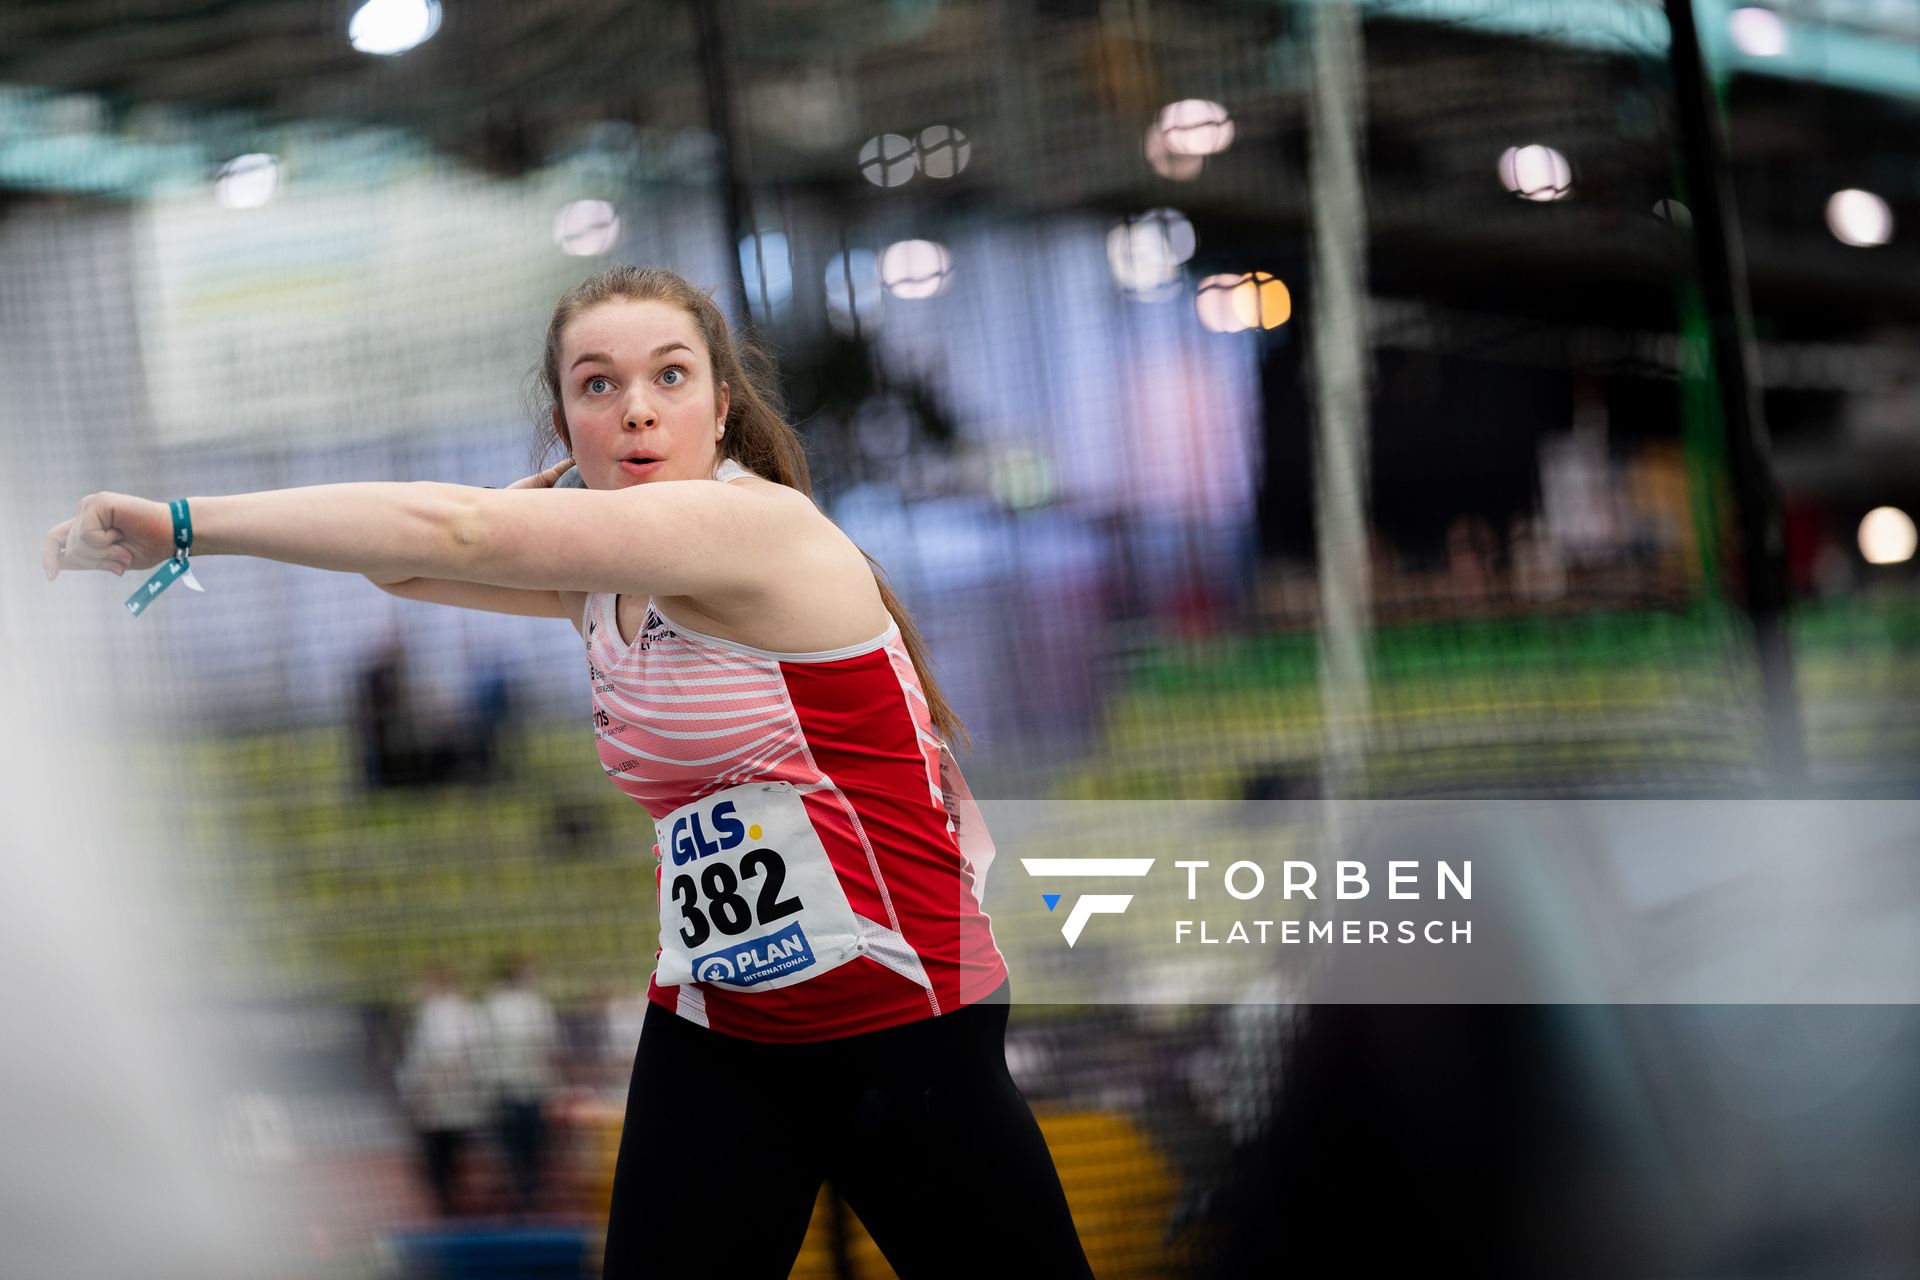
{"x": 758, "y": 436}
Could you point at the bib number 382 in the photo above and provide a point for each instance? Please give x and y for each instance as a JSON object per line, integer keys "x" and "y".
{"x": 718, "y": 901}
{"x": 749, "y": 897}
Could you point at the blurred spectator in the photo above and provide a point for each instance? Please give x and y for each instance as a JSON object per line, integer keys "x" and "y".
{"x": 380, "y": 721}
{"x": 401, "y": 747}
{"x": 526, "y": 1052}
{"x": 398, "y": 746}
{"x": 491, "y": 706}
{"x": 571, "y": 827}
{"x": 1473, "y": 553}
{"x": 1835, "y": 570}
{"x": 625, "y": 1011}
{"x": 1578, "y": 487}
{"x": 442, "y": 1082}
{"x": 1538, "y": 573}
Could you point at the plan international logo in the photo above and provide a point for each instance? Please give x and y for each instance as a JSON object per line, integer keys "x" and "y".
{"x": 1092, "y": 904}
{"x": 756, "y": 960}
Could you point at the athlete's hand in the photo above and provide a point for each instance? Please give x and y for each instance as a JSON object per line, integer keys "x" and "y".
{"x": 545, "y": 479}
{"x": 111, "y": 532}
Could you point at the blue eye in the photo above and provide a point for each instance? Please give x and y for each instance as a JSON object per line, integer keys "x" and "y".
{"x": 590, "y": 388}
{"x": 675, "y": 369}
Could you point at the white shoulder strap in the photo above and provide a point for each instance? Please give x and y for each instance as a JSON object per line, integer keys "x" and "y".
{"x": 729, "y": 470}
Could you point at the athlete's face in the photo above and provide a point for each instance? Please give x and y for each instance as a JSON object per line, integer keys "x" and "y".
{"x": 637, "y": 390}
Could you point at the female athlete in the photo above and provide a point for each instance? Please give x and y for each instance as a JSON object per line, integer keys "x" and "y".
{"x": 828, "y": 1002}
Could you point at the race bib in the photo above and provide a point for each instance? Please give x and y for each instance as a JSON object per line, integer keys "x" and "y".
{"x": 748, "y": 898}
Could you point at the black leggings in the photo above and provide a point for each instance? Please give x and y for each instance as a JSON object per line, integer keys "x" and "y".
{"x": 920, "y": 1129}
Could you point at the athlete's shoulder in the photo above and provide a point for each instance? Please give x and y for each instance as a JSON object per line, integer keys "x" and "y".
{"x": 774, "y": 491}
{"x": 798, "y": 514}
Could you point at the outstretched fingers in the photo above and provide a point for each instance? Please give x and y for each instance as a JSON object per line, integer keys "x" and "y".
{"x": 52, "y": 547}
{"x": 78, "y": 543}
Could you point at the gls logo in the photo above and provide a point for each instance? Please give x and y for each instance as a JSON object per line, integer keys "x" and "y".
{"x": 1092, "y": 904}
{"x": 688, "y": 841}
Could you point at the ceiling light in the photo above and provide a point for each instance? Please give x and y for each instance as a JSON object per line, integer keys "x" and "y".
{"x": 1146, "y": 252}
{"x": 586, "y": 228}
{"x": 1196, "y": 127}
{"x": 766, "y": 268}
{"x": 888, "y": 160}
{"x": 1887, "y": 536}
{"x": 1859, "y": 218}
{"x": 388, "y": 27}
{"x": 247, "y": 182}
{"x": 915, "y": 268}
{"x": 1170, "y": 164}
{"x": 1758, "y": 33}
{"x": 943, "y": 151}
{"x": 854, "y": 291}
{"x": 1536, "y": 173}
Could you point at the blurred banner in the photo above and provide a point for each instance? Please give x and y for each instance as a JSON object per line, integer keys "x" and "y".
{"x": 234, "y": 316}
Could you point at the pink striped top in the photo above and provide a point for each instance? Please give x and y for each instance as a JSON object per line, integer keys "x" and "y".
{"x": 679, "y": 715}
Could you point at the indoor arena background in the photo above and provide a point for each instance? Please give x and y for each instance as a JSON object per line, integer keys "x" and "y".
{"x": 1252, "y": 401}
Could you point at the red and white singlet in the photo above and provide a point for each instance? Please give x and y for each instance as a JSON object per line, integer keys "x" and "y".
{"x": 820, "y": 857}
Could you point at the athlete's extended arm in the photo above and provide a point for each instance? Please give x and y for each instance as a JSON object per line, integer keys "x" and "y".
{"x": 476, "y": 595}
{"x": 667, "y": 538}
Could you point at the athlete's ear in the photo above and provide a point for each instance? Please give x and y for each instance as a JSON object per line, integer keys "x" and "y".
{"x": 560, "y": 427}
{"x": 724, "y": 402}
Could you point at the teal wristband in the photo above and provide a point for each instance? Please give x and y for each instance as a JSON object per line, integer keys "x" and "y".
{"x": 174, "y": 569}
